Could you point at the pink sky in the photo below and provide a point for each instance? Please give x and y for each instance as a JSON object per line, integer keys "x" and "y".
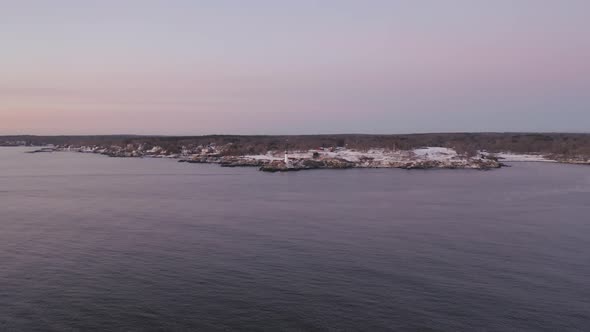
{"x": 179, "y": 67}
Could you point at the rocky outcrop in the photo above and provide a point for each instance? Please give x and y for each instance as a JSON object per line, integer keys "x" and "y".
{"x": 202, "y": 160}
{"x": 241, "y": 162}
{"x": 306, "y": 164}
{"x": 424, "y": 158}
{"x": 279, "y": 166}
{"x": 469, "y": 164}
{"x": 42, "y": 150}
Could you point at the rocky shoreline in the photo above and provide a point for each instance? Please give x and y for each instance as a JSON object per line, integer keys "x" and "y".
{"x": 344, "y": 164}
{"x": 321, "y": 158}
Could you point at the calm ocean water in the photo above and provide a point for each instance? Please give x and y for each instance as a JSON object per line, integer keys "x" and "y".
{"x": 95, "y": 243}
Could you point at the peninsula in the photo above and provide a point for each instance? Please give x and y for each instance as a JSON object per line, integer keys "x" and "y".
{"x": 293, "y": 153}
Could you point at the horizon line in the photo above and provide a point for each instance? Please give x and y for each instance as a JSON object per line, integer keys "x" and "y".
{"x": 316, "y": 134}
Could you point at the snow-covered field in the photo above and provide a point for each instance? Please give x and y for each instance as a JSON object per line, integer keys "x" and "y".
{"x": 513, "y": 157}
{"x": 268, "y": 157}
{"x": 377, "y": 155}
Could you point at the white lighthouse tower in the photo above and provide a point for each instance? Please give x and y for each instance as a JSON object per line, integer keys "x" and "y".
{"x": 287, "y": 163}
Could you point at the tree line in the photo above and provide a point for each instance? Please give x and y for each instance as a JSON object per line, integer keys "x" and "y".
{"x": 558, "y": 144}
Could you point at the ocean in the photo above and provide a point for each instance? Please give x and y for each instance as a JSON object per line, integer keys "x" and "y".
{"x": 91, "y": 243}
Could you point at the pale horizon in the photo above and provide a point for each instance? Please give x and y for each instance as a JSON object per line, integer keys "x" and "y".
{"x": 180, "y": 68}
{"x": 299, "y": 134}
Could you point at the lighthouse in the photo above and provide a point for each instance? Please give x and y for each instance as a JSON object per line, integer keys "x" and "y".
{"x": 286, "y": 153}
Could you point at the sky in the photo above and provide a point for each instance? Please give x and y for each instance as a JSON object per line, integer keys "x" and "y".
{"x": 190, "y": 67}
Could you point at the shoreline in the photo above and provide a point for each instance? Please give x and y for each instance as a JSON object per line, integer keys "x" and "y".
{"x": 322, "y": 158}
{"x": 267, "y": 152}
{"x": 425, "y": 158}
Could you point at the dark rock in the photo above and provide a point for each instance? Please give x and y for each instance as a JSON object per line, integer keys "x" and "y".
{"x": 241, "y": 162}
{"x": 42, "y": 150}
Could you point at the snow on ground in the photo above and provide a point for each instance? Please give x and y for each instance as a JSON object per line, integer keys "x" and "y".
{"x": 514, "y": 157}
{"x": 435, "y": 153}
{"x": 349, "y": 155}
{"x": 155, "y": 149}
{"x": 267, "y": 156}
{"x": 377, "y": 155}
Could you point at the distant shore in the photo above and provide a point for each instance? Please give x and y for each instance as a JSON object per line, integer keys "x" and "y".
{"x": 323, "y": 158}
{"x": 482, "y": 151}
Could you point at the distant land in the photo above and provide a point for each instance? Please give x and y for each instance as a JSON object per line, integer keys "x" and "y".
{"x": 299, "y": 152}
